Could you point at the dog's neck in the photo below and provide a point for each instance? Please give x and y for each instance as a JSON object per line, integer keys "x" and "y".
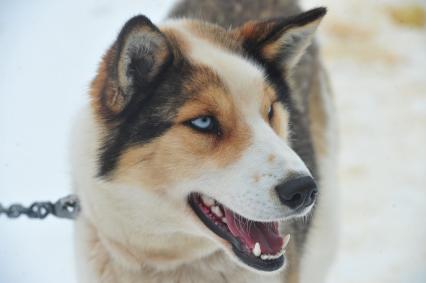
{"x": 161, "y": 252}
{"x": 141, "y": 231}
{"x": 171, "y": 259}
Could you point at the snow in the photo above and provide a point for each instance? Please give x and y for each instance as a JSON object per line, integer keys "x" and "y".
{"x": 378, "y": 70}
{"x": 50, "y": 50}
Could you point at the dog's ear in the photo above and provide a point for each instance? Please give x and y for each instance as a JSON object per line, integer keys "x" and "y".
{"x": 280, "y": 41}
{"x": 138, "y": 56}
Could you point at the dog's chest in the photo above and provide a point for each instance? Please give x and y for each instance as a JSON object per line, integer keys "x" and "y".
{"x": 213, "y": 276}
{"x": 216, "y": 269}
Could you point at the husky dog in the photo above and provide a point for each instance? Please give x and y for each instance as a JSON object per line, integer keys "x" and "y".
{"x": 209, "y": 140}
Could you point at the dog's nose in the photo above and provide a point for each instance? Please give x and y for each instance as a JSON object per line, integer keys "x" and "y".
{"x": 297, "y": 193}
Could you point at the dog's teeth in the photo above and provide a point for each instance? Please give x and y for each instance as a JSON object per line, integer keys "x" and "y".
{"x": 224, "y": 220}
{"x": 276, "y": 256}
{"x": 286, "y": 240}
{"x": 256, "y": 249}
{"x": 208, "y": 201}
{"x": 269, "y": 257}
{"x": 216, "y": 210}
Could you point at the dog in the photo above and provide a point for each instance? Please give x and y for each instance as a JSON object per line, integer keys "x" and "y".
{"x": 207, "y": 151}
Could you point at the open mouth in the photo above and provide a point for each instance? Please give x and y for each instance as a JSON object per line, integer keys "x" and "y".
{"x": 257, "y": 244}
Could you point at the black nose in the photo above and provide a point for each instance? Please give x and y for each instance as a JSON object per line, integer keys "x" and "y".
{"x": 297, "y": 193}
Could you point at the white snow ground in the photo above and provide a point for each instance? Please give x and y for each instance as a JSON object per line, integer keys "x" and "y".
{"x": 49, "y": 53}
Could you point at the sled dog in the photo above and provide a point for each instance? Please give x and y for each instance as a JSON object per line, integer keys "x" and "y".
{"x": 206, "y": 153}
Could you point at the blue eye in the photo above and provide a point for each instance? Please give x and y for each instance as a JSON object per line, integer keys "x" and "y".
{"x": 205, "y": 124}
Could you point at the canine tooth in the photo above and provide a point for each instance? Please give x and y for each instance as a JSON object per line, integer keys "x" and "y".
{"x": 256, "y": 249}
{"x": 264, "y": 257}
{"x": 208, "y": 201}
{"x": 224, "y": 220}
{"x": 286, "y": 240}
{"x": 216, "y": 210}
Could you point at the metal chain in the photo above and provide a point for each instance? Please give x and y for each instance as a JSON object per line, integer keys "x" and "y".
{"x": 66, "y": 207}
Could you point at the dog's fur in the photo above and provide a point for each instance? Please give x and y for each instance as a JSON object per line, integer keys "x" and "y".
{"x": 135, "y": 160}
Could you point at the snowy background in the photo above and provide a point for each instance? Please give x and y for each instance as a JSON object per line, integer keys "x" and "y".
{"x": 375, "y": 52}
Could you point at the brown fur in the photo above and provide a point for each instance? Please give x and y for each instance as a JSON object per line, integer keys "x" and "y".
{"x": 280, "y": 118}
{"x": 98, "y": 86}
{"x": 214, "y": 34}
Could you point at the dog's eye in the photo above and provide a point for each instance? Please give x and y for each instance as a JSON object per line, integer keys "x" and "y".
{"x": 270, "y": 112}
{"x": 205, "y": 124}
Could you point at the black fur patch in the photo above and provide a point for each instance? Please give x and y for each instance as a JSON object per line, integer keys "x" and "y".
{"x": 147, "y": 116}
{"x": 154, "y": 89}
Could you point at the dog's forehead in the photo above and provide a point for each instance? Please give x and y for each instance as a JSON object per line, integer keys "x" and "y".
{"x": 244, "y": 80}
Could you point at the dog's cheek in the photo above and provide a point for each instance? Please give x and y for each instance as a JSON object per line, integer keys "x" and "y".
{"x": 192, "y": 154}
{"x": 181, "y": 154}
{"x": 176, "y": 156}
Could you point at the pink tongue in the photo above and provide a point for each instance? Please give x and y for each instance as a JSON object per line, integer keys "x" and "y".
{"x": 266, "y": 234}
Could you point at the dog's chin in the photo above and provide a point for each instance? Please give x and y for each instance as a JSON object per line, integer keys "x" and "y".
{"x": 257, "y": 245}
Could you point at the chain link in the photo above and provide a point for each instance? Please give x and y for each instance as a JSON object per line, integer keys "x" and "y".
{"x": 66, "y": 207}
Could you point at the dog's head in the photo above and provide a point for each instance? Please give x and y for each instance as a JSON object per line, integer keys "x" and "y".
{"x": 194, "y": 119}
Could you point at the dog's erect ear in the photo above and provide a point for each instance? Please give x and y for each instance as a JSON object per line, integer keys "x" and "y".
{"x": 137, "y": 57}
{"x": 280, "y": 41}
